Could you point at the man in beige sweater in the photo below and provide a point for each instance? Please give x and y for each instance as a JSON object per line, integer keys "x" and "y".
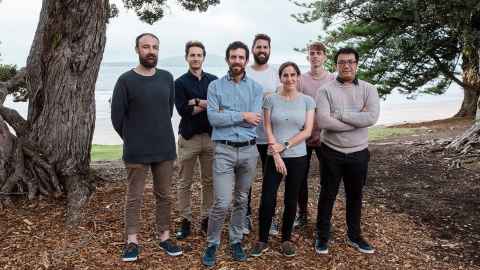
{"x": 346, "y": 107}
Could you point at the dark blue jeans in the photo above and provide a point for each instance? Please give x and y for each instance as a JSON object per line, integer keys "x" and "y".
{"x": 296, "y": 167}
{"x": 352, "y": 168}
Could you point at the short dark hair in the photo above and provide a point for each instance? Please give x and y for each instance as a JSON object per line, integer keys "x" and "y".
{"x": 236, "y": 45}
{"x": 194, "y": 43}
{"x": 288, "y": 64}
{"x": 261, "y": 37}
{"x": 347, "y": 50}
{"x": 142, "y": 35}
{"x": 317, "y": 45}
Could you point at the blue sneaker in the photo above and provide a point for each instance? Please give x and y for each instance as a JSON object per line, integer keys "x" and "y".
{"x": 321, "y": 246}
{"x": 238, "y": 254}
{"x": 208, "y": 258}
{"x": 361, "y": 245}
{"x": 170, "y": 248}
{"x": 130, "y": 252}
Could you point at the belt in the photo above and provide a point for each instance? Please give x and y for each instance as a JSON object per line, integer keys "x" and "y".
{"x": 237, "y": 144}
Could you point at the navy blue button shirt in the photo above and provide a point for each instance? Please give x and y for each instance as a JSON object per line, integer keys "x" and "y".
{"x": 187, "y": 87}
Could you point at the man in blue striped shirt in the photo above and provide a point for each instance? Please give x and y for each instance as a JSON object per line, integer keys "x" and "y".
{"x": 234, "y": 105}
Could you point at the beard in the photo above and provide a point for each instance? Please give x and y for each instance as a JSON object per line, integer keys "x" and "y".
{"x": 259, "y": 60}
{"x": 149, "y": 61}
{"x": 236, "y": 72}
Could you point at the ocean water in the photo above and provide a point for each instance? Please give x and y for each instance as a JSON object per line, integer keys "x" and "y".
{"x": 395, "y": 109}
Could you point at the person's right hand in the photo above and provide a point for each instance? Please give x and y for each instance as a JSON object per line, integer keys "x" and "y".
{"x": 252, "y": 118}
{"x": 279, "y": 164}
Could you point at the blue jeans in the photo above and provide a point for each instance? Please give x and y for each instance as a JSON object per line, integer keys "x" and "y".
{"x": 233, "y": 171}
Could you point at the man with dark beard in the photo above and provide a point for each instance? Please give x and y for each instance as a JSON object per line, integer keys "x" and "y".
{"x": 233, "y": 108}
{"x": 267, "y": 77}
{"x": 142, "y": 107}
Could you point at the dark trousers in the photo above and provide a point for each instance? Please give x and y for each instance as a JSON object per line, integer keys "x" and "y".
{"x": 262, "y": 151}
{"x": 295, "y": 171}
{"x": 352, "y": 168}
{"x": 303, "y": 196}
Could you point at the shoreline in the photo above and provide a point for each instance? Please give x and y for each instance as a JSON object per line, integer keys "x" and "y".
{"x": 390, "y": 115}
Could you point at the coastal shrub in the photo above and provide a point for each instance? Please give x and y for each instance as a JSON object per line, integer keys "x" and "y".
{"x": 7, "y": 72}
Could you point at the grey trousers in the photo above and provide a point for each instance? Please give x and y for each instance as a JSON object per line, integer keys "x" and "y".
{"x": 233, "y": 171}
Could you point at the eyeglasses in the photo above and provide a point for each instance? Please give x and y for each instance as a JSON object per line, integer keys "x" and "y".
{"x": 349, "y": 62}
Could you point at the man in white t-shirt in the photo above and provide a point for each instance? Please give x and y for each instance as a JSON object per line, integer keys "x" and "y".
{"x": 267, "y": 76}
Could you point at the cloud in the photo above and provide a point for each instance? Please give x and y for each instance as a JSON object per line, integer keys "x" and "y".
{"x": 230, "y": 20}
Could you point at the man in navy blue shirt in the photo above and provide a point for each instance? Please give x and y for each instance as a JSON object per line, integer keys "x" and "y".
{"x": 194, "y": 136}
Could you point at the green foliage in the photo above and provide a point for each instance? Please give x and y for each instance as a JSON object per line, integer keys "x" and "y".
{"x": 151, "y": 11}
{"x": 106, "y": 152}
{"x": 7, "y": 72}
{"x": 414, "y": 46}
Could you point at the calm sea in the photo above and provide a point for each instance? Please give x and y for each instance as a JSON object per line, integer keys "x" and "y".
{"x": 395, "y": 109}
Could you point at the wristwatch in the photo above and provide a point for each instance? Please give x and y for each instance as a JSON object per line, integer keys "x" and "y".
{"x": 287, "y": 145}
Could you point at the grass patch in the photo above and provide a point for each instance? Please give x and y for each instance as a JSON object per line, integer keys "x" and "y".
{"x": 114, "y": 152}
{"x": 380, "y": 133}
{"x": 106, "y": 152}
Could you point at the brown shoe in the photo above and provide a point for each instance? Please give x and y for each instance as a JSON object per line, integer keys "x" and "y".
{"x": 288, "y": 249}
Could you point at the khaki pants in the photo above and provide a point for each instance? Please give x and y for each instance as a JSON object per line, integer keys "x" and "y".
{"x": 198, "y": 147}
{"x": 162, "y": 178}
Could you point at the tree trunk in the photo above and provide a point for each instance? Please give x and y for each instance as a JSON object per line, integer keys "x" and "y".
{"x": 6, "y": 147}
{"x": 471, "y": 75}
{"x": 469, "y": 104}
{"x": 62, "y": 69}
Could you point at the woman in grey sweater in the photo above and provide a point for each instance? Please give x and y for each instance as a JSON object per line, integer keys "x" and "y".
{"x": 288, "y": 119}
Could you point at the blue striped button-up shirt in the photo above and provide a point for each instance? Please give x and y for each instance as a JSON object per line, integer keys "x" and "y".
{"x": 226, "y": 102}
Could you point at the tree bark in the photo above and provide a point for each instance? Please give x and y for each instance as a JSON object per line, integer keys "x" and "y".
{"x": 471, "y": 75}
{"x": 62, "y": 69}
{"x": 6, "y": 147}
{"x": 469, "y": 104}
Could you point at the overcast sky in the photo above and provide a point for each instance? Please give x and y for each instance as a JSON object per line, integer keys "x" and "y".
{"x": 230, "y": 20}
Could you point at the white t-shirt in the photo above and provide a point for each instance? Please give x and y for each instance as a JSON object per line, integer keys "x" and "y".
{"x": 270, "y": 81}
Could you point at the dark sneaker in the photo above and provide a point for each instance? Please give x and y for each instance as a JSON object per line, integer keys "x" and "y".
{"x": 300, "y": 221}
{"x": 130, "y": 252}
{"x": 247, "y": 226}
{"x": 204, "y": 225}
{"x": 170, "y": 248}
{"x": 258, "y": 249}
{"x": 238, "y": 254}
{"x": 361, "y": 245}
{"x": 184, "y": 230}
{"x": 208, "y": 258}
{"x": 288, "y": 249}
{"x": 273, "y": 228}
{"x": 321, "y": 247}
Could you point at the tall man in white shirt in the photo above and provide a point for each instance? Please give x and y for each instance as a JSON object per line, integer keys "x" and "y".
{"x": 267, "y": 76}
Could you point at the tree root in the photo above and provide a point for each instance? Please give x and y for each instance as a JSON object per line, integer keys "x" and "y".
{"x": 32, "y": 173}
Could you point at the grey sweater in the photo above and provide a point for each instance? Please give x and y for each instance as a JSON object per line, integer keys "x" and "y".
{"x": 142, "y": 108}
{"x": 339, "y": 114}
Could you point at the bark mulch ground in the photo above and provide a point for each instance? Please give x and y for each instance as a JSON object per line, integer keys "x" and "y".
{"x": 418, "y": 213}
